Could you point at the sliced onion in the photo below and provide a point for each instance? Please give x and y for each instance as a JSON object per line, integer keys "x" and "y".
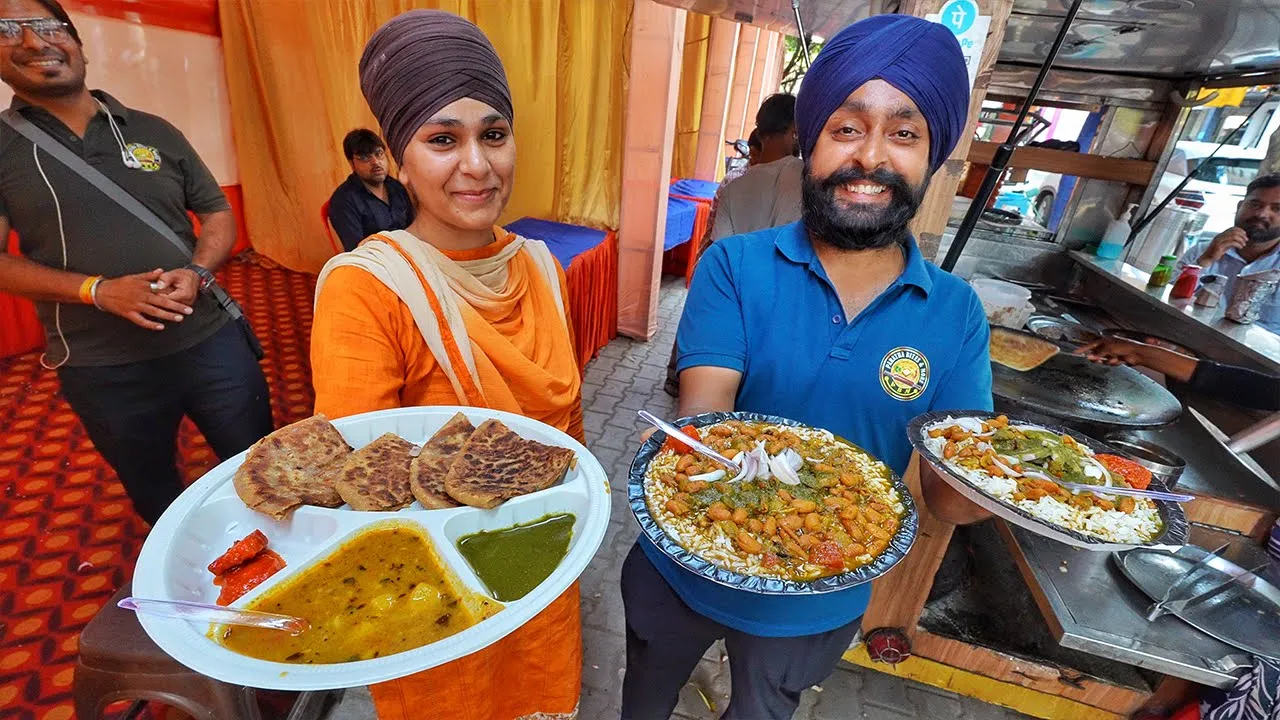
{"x": 1024, "y": 428}
{"x": 973, "y": 425}
{"x": 712, "y": 476}
{"x": 794, "y": 461}
{"x": 783, "y": 471}
{"x": 748, "y": 463}
{"x": 983, "y": 447}
{"x": 1005, "y": 468}
{"x": 1106, "y": 474}
{"x": 1037, "y": 475}
{"x": 1028, "y": 457}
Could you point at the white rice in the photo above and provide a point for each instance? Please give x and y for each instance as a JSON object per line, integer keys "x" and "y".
{"x": 1134, "y": 528}
{"x": 711, "y": 544}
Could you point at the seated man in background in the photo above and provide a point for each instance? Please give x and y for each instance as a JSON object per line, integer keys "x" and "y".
{"x": 768, "y": 194}
{"x": 368, "y": 201}
{"x": 1249, "y": 246}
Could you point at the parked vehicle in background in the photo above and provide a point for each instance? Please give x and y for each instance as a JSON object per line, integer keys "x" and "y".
{"x": 1033, "y": 197}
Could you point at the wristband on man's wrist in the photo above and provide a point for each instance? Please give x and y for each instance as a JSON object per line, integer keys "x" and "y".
{"x": 89, "y": 290}
{"x": 206, "y": 276}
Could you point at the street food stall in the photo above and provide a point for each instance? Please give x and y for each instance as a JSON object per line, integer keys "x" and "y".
{"x": 999, "y": 612}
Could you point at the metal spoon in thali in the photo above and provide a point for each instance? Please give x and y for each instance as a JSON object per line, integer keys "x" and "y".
{"x": 215, "y": 614}
{"x": 674, "y": 432}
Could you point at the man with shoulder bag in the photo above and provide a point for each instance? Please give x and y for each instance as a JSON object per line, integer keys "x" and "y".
{"x": 139, "y": 331}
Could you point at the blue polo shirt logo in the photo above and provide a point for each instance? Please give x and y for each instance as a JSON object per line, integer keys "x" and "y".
{"x": 904, "y": 373}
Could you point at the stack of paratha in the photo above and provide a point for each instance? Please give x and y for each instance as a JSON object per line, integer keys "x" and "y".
{"x": 295, "y": 465}
{"x": 308, "y": 463}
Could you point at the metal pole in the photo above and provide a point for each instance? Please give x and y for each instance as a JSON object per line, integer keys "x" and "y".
{"x": 1004, "y": 152}
{"x": 804, "y": 39}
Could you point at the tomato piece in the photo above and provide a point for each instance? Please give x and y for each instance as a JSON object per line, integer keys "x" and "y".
{"x": 241, "y": 552}
{"x": 828, "y": 555}
{"x": 1134, "y": 474}
{"x": 678, "y": 447}
{"x": 249, "y": 576}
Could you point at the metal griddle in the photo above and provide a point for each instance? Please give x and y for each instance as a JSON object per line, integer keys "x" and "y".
{"x": 1073, "y": 389}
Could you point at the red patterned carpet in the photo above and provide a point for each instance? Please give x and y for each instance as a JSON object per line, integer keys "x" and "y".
{"x": 68, "y": 538}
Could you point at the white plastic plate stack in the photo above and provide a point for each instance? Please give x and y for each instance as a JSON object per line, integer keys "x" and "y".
{"x": 209, "y": 517}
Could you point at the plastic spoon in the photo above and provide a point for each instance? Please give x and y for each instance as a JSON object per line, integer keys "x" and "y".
{"x": 674, "y": 432}
{"x": 1131, "y": 492}
{"x": 215, "y": 614}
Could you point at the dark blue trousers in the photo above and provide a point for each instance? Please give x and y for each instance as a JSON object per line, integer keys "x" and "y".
{"x": 666, "y": 638}
{"x": 132, "y": 412}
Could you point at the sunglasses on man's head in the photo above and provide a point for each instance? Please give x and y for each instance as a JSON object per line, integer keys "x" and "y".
{"x": 51, "y": 30}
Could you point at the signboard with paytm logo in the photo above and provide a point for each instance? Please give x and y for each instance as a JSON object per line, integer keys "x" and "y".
{"x": 961, "y": 18}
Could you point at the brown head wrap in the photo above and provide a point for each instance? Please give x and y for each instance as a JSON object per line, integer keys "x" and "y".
{"x": 422, "y": 60}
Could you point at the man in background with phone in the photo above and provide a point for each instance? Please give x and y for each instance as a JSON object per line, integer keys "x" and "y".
{"x": 134, "y": 330}
{"x": 1251, "y": 245}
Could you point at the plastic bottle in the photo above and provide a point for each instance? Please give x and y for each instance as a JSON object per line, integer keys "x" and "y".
{"x": 1113, "y": 241}
{"x": 1162, "y": 273}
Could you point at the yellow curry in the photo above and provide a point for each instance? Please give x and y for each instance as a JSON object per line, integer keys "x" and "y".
{"x": 383, "y": 592}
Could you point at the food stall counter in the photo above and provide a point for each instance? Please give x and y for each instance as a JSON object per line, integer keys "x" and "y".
{"x": 1090, "y": 606}
{"x": 1251, "y": 341}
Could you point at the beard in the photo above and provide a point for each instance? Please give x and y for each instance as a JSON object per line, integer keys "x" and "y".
{"x": 68, "y": 81}
{"x": 859, "y": 226}
{"x": 1259, "y": 232}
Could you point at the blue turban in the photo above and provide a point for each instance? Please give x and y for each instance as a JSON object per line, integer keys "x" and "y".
{"x": 921, "y": 58}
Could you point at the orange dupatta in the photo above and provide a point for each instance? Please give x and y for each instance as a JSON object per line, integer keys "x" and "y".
{"x": 368, "y": 354}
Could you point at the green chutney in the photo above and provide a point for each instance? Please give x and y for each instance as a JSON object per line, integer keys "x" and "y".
{"x": 512, "y": 561}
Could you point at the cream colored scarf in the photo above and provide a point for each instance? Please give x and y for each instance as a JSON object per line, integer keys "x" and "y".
{"x": 478, "y": 283}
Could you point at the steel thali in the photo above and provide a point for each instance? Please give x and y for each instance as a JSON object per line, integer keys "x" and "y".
{"x": 1174, "y": 533}
{"x": 899, "y": 544}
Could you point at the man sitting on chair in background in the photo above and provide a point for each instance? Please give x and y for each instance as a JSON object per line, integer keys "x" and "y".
{"x": 368, "y": 201}
{"x": 768, "y": 194}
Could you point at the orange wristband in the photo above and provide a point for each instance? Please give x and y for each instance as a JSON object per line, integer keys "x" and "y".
{"x": 86, "y": 289}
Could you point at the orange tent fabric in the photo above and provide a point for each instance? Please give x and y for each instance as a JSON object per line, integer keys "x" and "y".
{"x": 592, "y": 284}
{"x": 292, "y": 79}
{"x": 20, "y": 329}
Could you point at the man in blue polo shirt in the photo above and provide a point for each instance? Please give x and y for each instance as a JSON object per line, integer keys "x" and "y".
{"x": 836, "y": 321}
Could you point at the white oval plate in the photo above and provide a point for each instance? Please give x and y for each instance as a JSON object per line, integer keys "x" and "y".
{"x": 208, "y": 517}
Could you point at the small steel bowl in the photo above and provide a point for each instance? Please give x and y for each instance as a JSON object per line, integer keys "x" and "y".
{"x": 1059, "y": 330}
{"x": 1162, "y": 462}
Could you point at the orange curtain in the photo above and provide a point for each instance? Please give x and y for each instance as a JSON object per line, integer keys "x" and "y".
{"x": 693, "y": 72}
{"x": 292, "y": 75}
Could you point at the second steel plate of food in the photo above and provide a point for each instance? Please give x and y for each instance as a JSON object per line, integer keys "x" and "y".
{"x": 1013, "y": 468}
{"x": 809, "y": 512}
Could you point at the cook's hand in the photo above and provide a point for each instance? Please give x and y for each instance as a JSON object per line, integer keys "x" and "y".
{"x": 1114, "y": 351}
{"x": 131, "y": 297}
{"x": 1229, "y": 239}
{"x": 182, "y": 285}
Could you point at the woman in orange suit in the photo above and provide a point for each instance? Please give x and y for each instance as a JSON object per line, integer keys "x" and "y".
{"x": 455, "y": 311}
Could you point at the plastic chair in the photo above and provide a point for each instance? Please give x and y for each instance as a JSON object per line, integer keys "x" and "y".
{"x": 324, "y": 218}
{"x": 118, "y": 661}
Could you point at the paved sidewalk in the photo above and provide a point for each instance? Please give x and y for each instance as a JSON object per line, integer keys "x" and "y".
{"x": 627, "y": 377}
